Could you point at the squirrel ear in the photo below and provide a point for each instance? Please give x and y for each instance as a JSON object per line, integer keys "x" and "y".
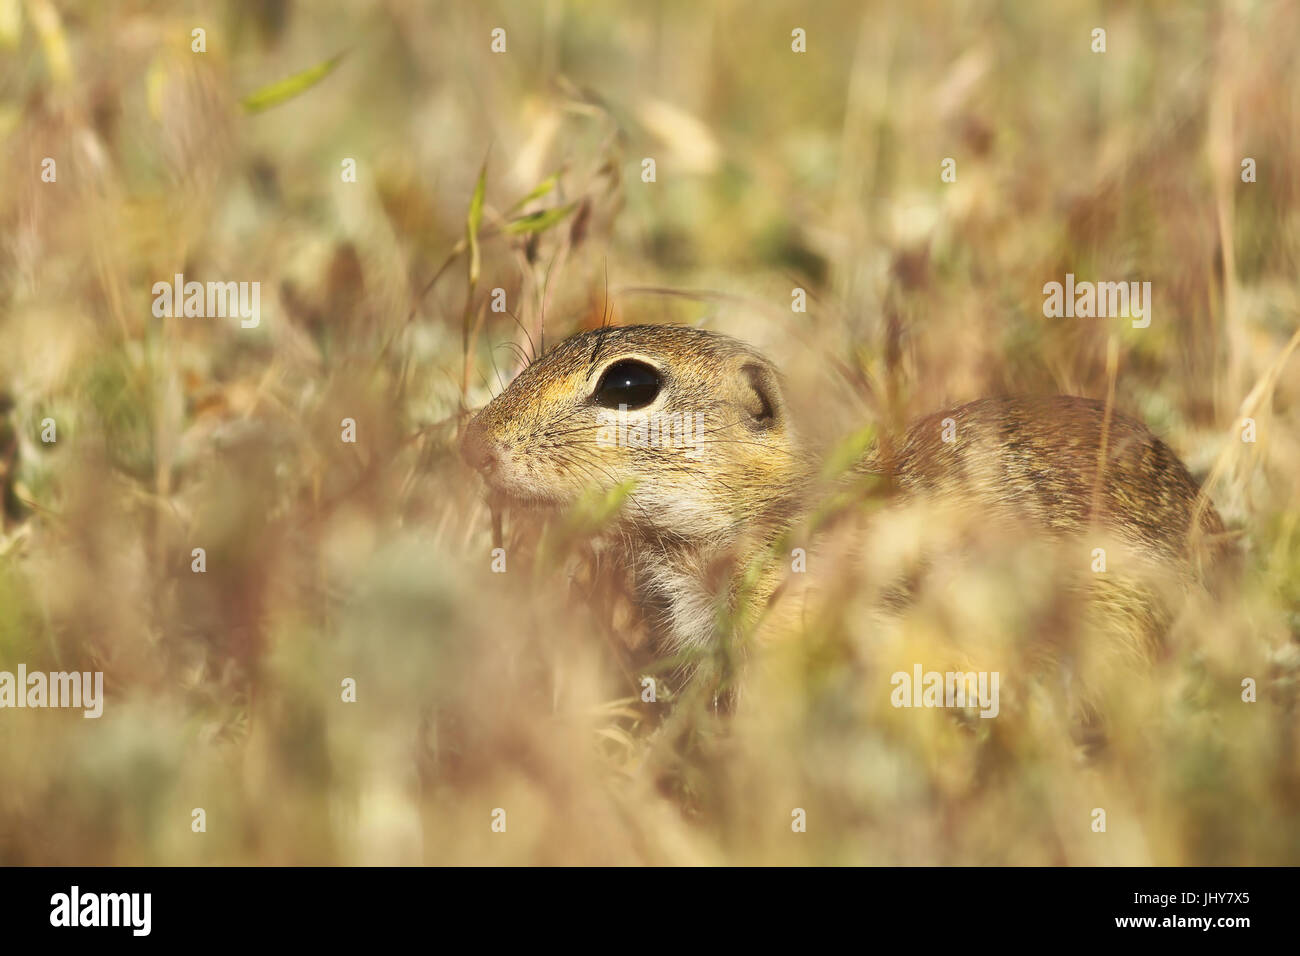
{"x": 762, "y": 398}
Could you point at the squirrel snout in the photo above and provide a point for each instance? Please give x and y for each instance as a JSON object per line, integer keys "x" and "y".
{"x": 477, "y": 450}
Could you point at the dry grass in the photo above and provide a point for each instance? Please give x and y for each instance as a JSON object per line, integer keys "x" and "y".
{"x": 476, "y": 690}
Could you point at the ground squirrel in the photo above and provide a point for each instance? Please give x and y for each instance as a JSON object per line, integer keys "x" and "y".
{"x": 698, "y": 422}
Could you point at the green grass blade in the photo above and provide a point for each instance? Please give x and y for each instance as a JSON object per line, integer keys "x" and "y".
{"x": 538, "y": 221}
{"x": 540, "y": 190}
{"x": 472, "y": 222}
{"x": 288, "y": 88}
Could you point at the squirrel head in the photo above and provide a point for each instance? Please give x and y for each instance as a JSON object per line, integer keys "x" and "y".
{"x": 694, "y": 421}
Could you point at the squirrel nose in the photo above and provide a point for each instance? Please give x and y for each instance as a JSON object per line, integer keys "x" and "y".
{"x": 477, "y": 451}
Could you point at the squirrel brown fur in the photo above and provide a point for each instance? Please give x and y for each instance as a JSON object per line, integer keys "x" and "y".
{"x": 706, "y": 505}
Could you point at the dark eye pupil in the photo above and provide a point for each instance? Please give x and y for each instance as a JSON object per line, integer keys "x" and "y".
{"x": 629, "y": 382}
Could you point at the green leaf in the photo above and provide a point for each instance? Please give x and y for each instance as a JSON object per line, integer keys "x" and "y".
{"x": 540, "y": 190}
{"x": 538, "y": 221}
{"x": 288, "y": 88}
{"x": 848, "y": 452}
{"x": 594, "y": 508}
{"x": 473, "y": 221}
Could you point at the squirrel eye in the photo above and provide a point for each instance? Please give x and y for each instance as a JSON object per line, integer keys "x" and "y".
{"x": 628, "y": 382}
